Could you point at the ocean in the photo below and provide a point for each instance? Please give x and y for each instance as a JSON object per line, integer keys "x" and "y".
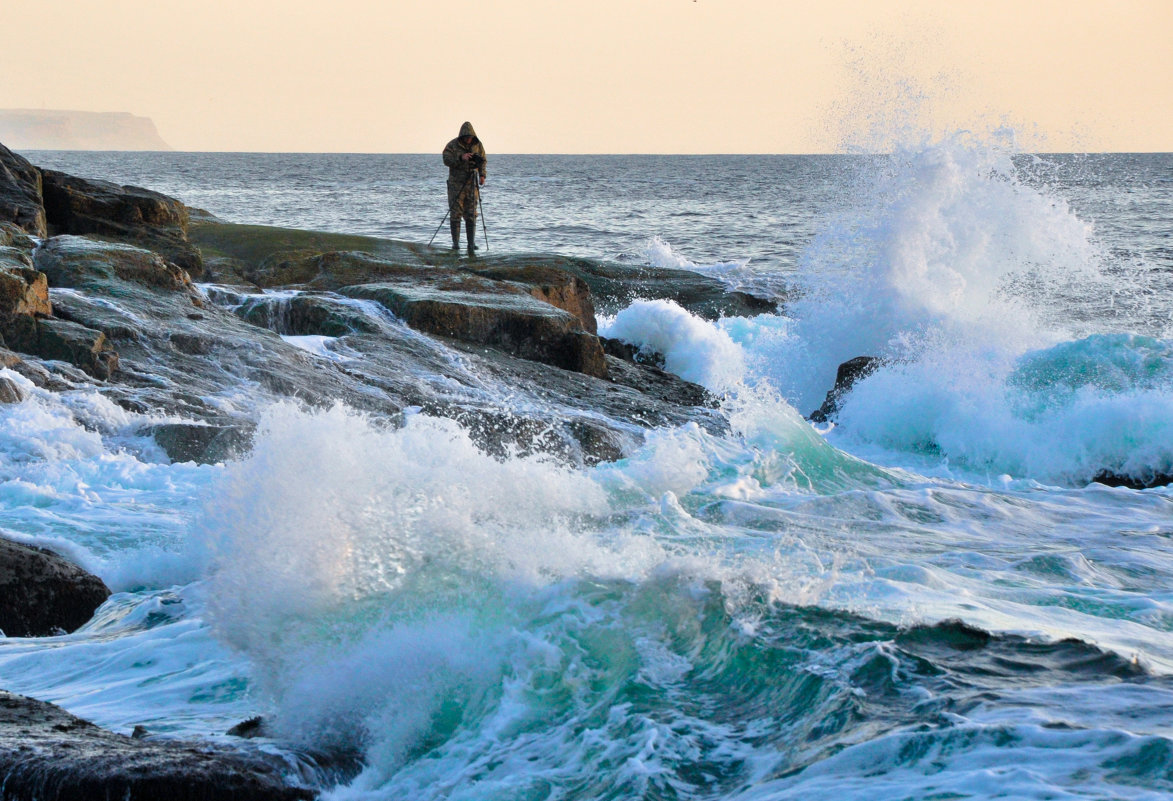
{"x": 927, "y": 599}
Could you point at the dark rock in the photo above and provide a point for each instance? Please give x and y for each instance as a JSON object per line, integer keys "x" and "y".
{"x": 477, "y": 310}
{"x": 43, "y": 594}
{"x": 660, "y": 384}
{"x": 1147, "y": 480}
{"x": 200, "y": 442}
{"x": 630, "y": 353}
{"x": 20, "y": 193}
{"x": 47, "y": 754}
{"x": 248, "y": 729}
{"x": 123, "y": 213}
{"x": 845, "y": 377}
{"x": 65, "y": 341}
{"x": 10, "y": 391}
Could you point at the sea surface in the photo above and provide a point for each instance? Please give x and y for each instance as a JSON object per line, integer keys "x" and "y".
{"x": 926, "y": 600}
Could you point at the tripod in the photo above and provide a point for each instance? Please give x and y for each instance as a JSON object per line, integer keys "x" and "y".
{"x": 476, "y": 188}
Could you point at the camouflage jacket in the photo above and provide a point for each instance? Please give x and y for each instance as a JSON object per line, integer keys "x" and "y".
{"x": 459, "y": 169}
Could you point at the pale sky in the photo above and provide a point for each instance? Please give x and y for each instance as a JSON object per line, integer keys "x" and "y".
{"x": 602, "y": 76}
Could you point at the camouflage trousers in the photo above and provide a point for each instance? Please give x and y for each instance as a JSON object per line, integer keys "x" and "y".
{"x": 462, "y": 197}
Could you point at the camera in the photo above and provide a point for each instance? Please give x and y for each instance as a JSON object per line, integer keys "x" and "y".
{"x": 476, "y": 161}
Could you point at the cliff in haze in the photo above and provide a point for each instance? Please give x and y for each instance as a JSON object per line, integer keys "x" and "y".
{"x": 50, "y": 129}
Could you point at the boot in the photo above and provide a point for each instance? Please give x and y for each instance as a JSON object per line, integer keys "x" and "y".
{"x": 470, "y": 227}
{"x": 455, "y": 225}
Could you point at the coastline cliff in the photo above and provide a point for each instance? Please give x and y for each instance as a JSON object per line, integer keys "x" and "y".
{"x": 58, "y": 129}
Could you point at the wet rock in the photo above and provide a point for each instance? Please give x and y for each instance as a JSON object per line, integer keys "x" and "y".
{"x": 125, "y": 213}
{"x": 65, "y": 341}
{"x": 248, "y": 729}
{"x": 848, "y": 373}
{"x": 49, "y": 755}
{"x": 631, "y": 353}
{"x": 1146, "y": 480}
{"x": 303, "y": 315}
{"x": 41, "y": 593}
{"x": 21, "y": 194}
{"x": 476, "y": 310}
{"x": 10, "y": 391}
{"x": 82, "y": 263}
{"x": 201, "y": 442}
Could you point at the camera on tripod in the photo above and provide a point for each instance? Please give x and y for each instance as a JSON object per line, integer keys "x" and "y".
{"x": 476, "y": 161}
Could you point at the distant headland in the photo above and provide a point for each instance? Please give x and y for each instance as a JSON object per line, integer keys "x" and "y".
{"x": 55, "y": 129}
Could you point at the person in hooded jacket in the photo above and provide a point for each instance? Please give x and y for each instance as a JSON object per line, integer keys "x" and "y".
{"x": 465, "y": 158}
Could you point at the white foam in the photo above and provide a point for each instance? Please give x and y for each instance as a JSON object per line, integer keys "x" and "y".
{"x": 694, "y": 349}
{"x": 322, "y": 346}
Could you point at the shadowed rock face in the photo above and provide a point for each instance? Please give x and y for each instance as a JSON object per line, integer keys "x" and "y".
{"x": 125, "y": 213}
{"x": 47, "y": 754}
{"x": 20, "y": 193}
{"x": 43, "y": 594}
{"x": 848, "y": 373}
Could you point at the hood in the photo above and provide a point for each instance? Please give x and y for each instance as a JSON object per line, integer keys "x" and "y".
{"x": 467, "y": 130}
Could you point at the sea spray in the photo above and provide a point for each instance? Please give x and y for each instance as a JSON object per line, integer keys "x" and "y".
{"x": 941, "y": 241}
{"x": 75, "y": 469}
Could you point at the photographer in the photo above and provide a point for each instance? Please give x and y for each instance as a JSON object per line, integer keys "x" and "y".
{"x": 465, "y": 158}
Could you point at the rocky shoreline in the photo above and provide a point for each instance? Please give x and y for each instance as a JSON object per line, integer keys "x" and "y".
{"x": 168, "y": 312}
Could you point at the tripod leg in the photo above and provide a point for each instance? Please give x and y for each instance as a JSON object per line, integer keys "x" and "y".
{"x": 438, "y": 227}
{"x": 484, "y": 227}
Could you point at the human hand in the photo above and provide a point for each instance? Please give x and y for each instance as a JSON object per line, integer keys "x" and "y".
{"x": 482, "y": 180}
{"x": 466, "y": 156}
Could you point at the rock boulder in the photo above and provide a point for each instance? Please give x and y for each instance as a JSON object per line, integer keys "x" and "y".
{"x": 81, "y": 263}
{"x": 477, "y": 310}
{"x": 848, "y": 373}
{"x": 124, "y": 213}
{"x": 42, "y": 594}
{"x": 21, "y": 200}
{"x": 61, "y": 340}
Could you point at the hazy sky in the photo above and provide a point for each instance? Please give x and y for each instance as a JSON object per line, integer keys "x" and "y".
{"x": 601, "y": 76}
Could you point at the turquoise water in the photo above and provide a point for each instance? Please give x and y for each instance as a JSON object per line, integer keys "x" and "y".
{"x": 927, "y": 600}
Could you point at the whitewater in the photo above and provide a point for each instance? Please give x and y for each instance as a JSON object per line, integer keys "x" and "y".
{"x": 928, "y": 597}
